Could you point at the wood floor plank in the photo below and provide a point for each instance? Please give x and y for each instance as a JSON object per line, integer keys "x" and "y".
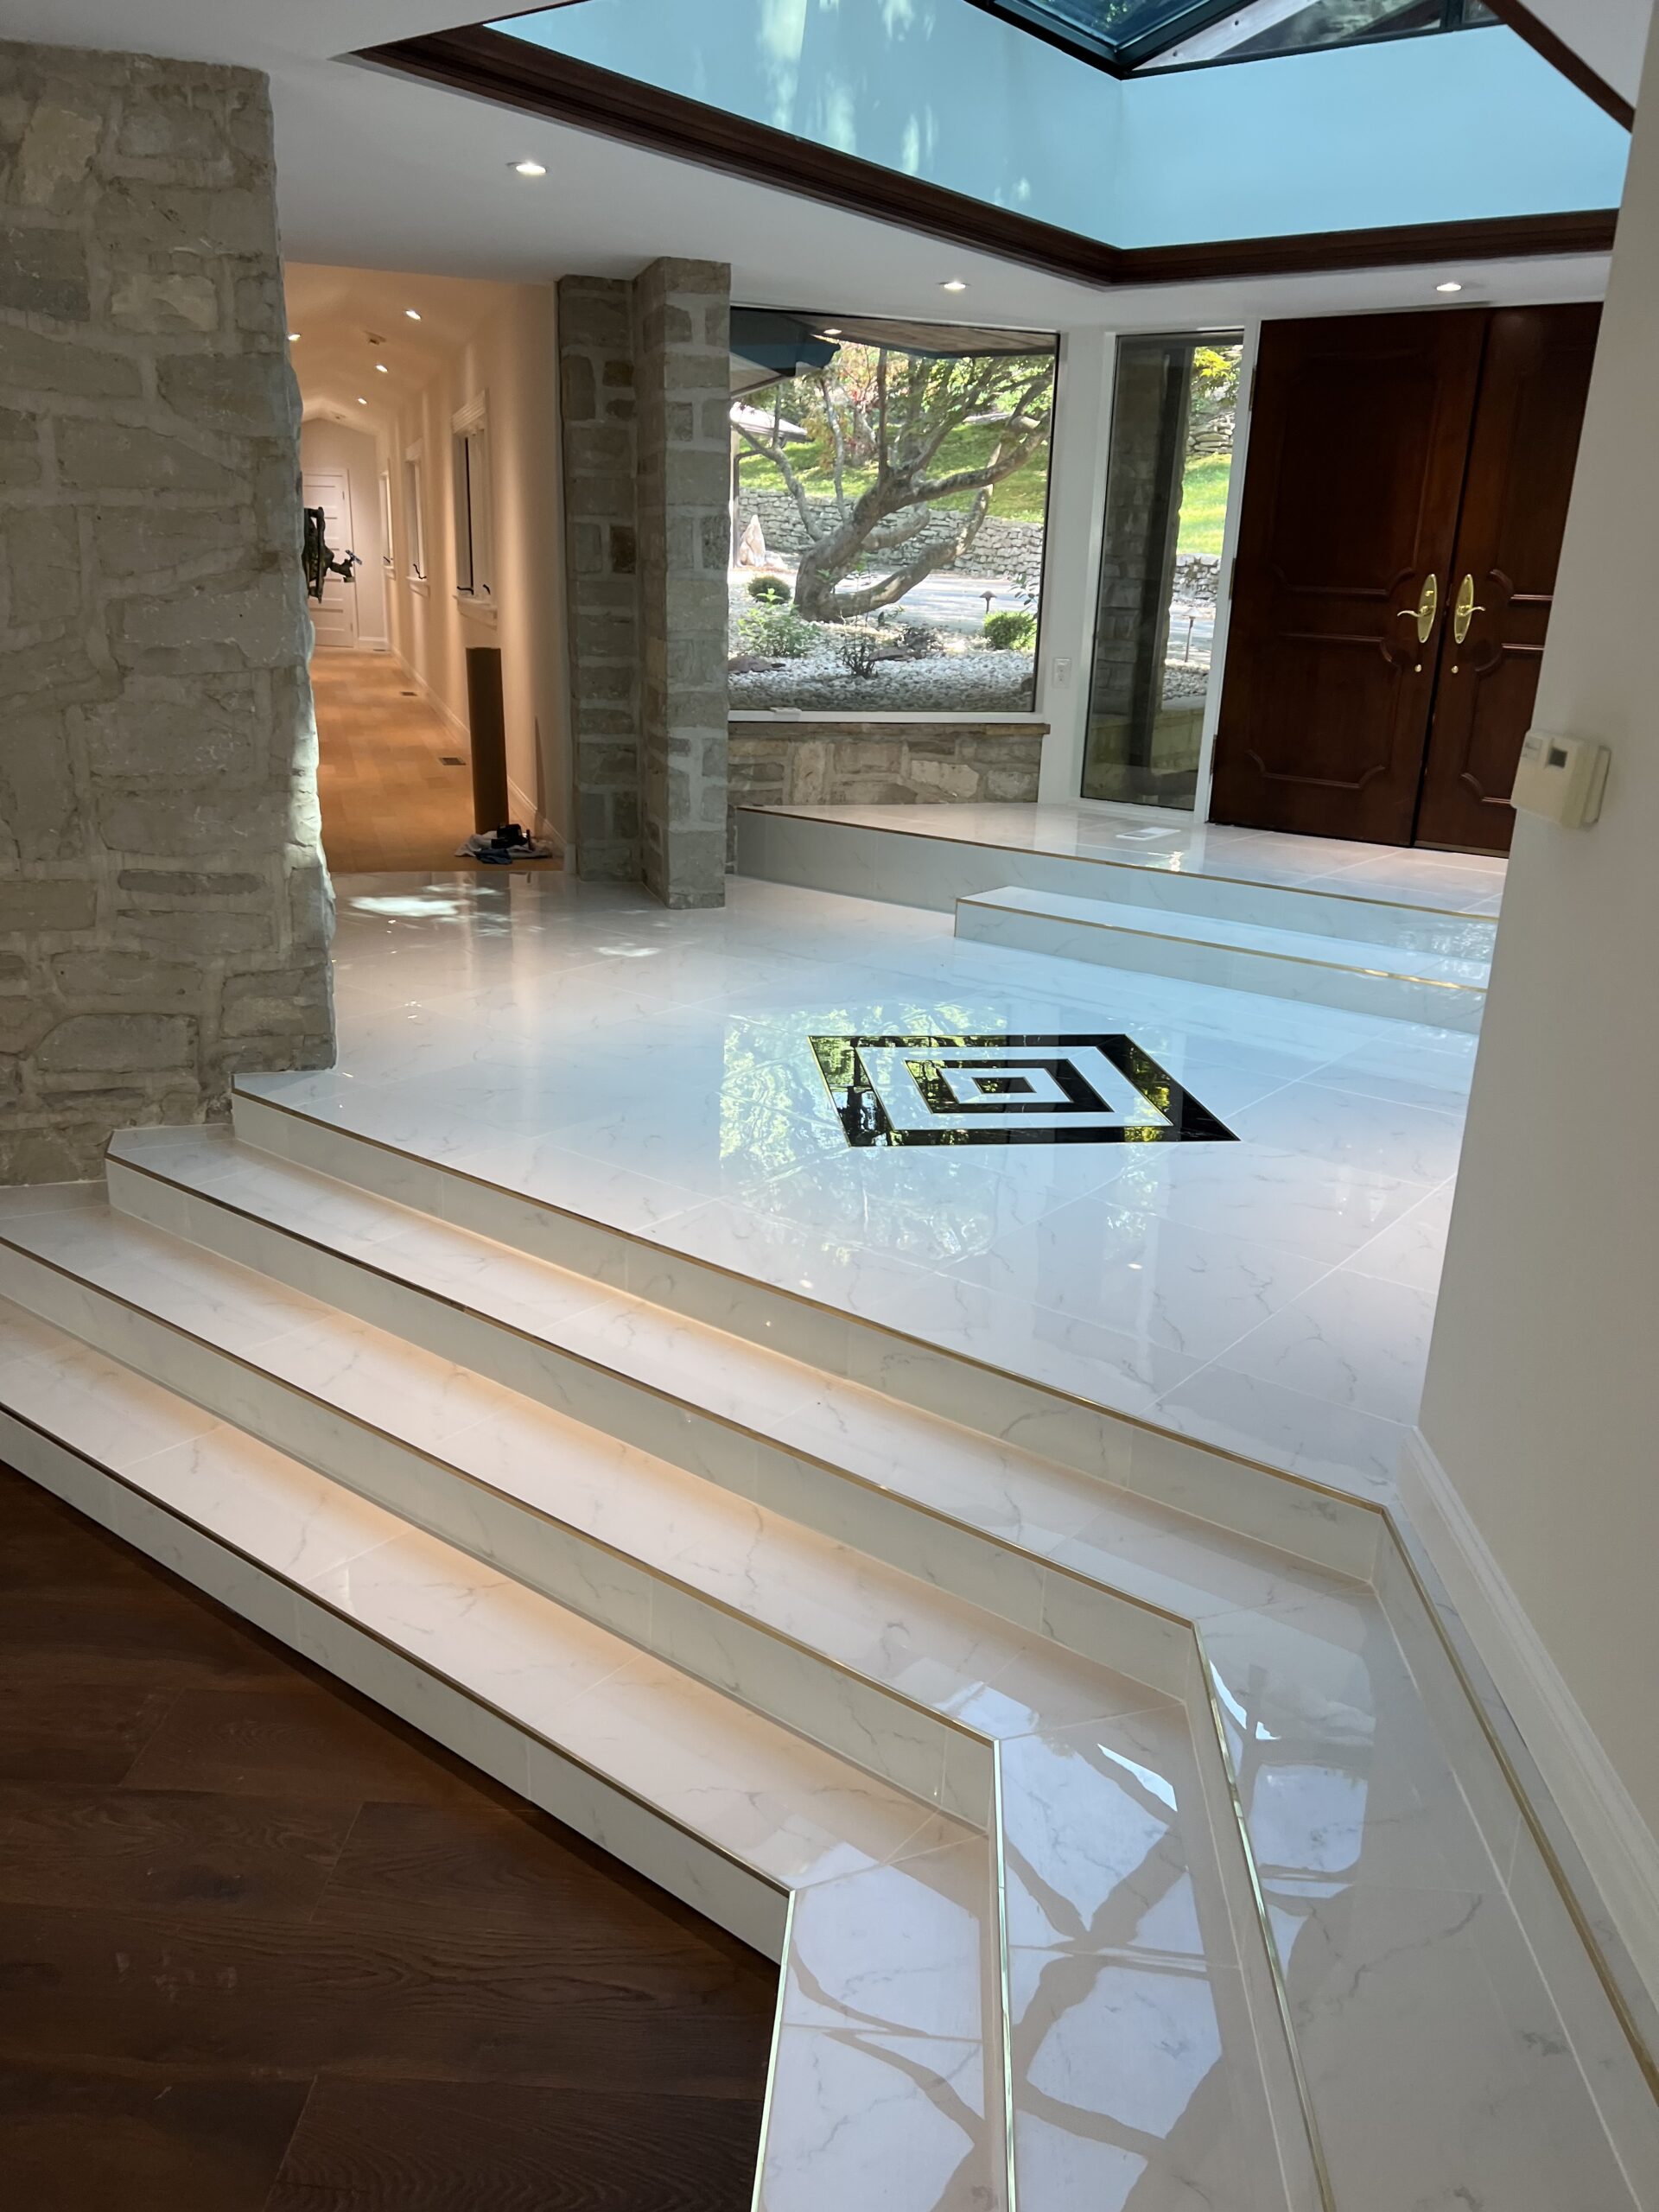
{"x": 265, "y": 1949}
{"x": 84, "y": 2139}
{"x": 457, "y": 2003}
{"x": 77, "y": 1731}
{"x": 296, "y": 1739}
{"x": 442, "y": 2147}
{"x": 171, "y": 1850}
{"x": 406, "y": 1863}
{"x": 132, "y": 1635}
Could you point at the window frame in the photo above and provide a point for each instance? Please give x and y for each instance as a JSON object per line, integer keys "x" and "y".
{"x": 415, "y": 515}
{"x": 474, "y": 508}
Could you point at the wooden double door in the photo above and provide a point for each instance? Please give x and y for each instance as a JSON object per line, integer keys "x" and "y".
{"x": 1402, "y": 514}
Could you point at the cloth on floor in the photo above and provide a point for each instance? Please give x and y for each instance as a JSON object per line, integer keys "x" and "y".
{"x": 501, "y": 848}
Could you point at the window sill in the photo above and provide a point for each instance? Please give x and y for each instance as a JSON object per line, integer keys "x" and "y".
{"x": 478, "y": 610}
{"x": 418, "y": 584}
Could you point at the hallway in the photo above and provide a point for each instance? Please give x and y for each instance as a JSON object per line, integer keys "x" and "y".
{"x": 392, "y": 775}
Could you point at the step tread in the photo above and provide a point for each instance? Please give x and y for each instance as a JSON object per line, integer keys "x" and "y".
{"x": 1144, "y": 1548}
{"x": 909, "y": 1639}
{"x": 1146, "y": 920}
{"x": 791, "y": 1810}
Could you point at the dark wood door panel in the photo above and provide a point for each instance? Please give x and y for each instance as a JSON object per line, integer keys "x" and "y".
{"x": 1522, "y": 452}
{"x": 1357, "y": 448}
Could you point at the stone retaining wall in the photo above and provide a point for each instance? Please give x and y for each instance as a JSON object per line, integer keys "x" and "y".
{"x": 164, "y": 909}
{"x": 1000, "y": 548}
{"x": 874, "y": 763}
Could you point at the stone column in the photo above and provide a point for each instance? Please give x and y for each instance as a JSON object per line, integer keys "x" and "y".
{"x": 682, "y": 312}
{"x": 164, "y": 910}
{"x": 596, "y": 388}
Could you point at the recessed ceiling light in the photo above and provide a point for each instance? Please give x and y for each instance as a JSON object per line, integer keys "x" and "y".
{"x": 414, "y": 314}
{"x": 833, "y": 331}
{"x": 361, "y": 401}
{"x": 1449, "y": 286}
{"x": 529, "y": 169}
{"x": 953, "y": 284}
{"x": 293, "y": 337}
{"x": 380, "y": 369}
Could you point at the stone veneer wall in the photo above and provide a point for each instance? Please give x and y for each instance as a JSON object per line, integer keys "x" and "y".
{"x": 852, "y": 763}
{"x": 597, "y": 409}
{"x": 644, "y": 394}
{"x": 164, "y": 909}
{"x": 682, "y": 364}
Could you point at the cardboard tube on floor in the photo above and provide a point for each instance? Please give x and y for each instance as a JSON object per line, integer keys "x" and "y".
{"x": 487, "y": 721}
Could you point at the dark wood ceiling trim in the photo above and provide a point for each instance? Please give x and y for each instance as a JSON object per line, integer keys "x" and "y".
{"x": 494, "y": 65}
{"x": 1503, "y": 237}
{"x": 1556, "y": 51}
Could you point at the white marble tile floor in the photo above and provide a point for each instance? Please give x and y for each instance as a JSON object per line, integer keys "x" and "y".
{"x": 582, "y": 1045}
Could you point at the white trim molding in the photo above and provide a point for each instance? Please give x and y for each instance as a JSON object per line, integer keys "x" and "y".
{"x": 1620, "y": 1850}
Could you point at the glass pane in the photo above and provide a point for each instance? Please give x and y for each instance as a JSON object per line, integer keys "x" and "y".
{"x": 1174, "y": 409}
{"x": 1331, "y": 22}
{"x": 888, "y": 533}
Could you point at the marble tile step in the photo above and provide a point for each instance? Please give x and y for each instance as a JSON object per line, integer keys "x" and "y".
{"x": 1097, "y": 1773}
{"x": 1277, "y": 1629}
{"x": 1360, "y": 976}
{"x": 879, "y": 1909}
{"x": 917, "y": 862}
{"x": 877, "y": 1664}
{"x": 975, "y": 1514}
{"x": 1263, "y": 1504}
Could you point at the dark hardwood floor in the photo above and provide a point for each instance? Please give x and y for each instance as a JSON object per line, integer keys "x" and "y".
{"x": 263, "y": 1949}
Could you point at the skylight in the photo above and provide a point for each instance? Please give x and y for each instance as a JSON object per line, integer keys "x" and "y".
{"x": 1127, "y": 34}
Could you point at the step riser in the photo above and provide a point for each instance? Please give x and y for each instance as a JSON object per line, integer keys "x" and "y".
{"x": 1095, "y": 1624}
{"x": 752, "y": 1909}
{"x": 1249, "y": 1500}
{"x": 1227, "y": 967}
{"x": 914, "y": 1750}
{"x": 905, "y": 868}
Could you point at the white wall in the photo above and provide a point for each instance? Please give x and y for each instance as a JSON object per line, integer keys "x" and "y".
{"x": 1541, "y": 1404}
{"x": 324, "y": 444}
{"x": 512, "y": 360}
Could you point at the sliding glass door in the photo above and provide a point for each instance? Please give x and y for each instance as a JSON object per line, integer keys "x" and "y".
{"x": 1175, "y": 403}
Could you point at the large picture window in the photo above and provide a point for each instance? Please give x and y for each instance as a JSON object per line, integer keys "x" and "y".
{"x": 890, "y": 491}
{"x": 1174, "y": 407}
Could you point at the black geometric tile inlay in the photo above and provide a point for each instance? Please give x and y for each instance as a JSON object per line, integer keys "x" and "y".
{"x": 1009, "y": 1090}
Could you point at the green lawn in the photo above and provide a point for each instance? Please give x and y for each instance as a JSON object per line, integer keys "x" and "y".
{"x": 1019, "y": 498}
{"x": 1203, "y": 503}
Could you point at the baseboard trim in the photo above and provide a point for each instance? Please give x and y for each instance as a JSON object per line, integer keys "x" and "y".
{"x": 1619, "y": 1848}
{"x": 434, "y": 698}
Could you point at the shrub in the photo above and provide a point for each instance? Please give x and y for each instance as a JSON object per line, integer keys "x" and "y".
{"x": 856, "y": 645}
{"x": 771, "y": 591}
{"x": 1009, "y": 632}
{"x": 776, "y": 633}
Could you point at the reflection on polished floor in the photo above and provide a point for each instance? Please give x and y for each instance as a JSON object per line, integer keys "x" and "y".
{"x": 1271, "y": 1295}
{"x": 1459, "y": 883}
{"x": 1114, "y": 1807}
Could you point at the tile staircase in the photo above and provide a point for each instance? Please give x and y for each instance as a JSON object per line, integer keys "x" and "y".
{"x": 1399, "y": 957}
{"x": 1121, "y": 1822}
{"x": 1402, "y": 982}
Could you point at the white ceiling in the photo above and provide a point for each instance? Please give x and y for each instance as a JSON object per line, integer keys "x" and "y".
{"x": 1611, "y": 35}
{"x": 338, "y": 314}
{"x": 380, "y": 173}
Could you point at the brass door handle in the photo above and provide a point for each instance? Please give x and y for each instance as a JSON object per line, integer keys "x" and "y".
{"x": 1427, "y": 607}
{"x": 1466, "y": 610}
